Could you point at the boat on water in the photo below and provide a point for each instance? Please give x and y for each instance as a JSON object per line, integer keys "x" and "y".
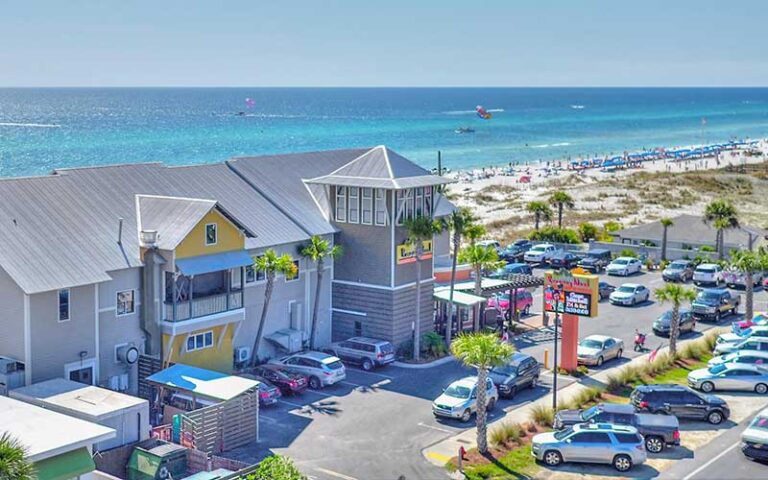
{"x": 465, "y": 130}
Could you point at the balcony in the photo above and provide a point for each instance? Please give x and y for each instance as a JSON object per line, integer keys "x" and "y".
{"x": 204, "y": 306}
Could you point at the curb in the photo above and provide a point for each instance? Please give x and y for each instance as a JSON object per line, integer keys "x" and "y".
{"x": 417, "y": 366}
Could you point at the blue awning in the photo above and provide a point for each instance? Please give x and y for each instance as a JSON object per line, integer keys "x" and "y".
{"x": 213, "y": 263}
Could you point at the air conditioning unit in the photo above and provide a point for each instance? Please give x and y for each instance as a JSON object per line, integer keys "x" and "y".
{"x": 123, "y": 381}
{"x": 114, "y": 383}
{"x": 7, "y": 365}
{"x": 242, "y": 354}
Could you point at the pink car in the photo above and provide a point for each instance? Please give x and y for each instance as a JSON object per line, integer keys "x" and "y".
{"x": 501, "y": 302}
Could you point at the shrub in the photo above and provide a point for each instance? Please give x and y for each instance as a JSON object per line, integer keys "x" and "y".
{"x": 613, "y": 383}
{"x": 707, "y": 248}
{"x": 612, "y": 226}
{"x": 506, "y": 432}
{"x": 542, "y": 415}
{"x": 583, "y": 370}
{"x": 628, "y": 252}
{"x": 585, "y": 396}
{"x": 663, "y": 264}
{"x": 276, "y": 467}
{"x": 557, "y": 235}
{"x": 710, "y": 339}
{"x": 587, "y": 232}
{"x": 432, "y": 343}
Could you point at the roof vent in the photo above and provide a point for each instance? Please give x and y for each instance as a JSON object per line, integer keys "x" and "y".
{"x": 148, "y": 238}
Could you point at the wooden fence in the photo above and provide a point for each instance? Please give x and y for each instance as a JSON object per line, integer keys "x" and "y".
{"x": 224, "y": 426}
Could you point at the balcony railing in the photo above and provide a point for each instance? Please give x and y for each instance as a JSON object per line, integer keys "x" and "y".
{"x": 201, "y": 307}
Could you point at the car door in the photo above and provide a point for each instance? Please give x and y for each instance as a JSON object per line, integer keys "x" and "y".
{"x": 524, "y": 373}
{"x": 594, "y": 447}
{"x": 692, "y": 405}
{"x": 609, "y": 348}
{"x": 742, "y": 379}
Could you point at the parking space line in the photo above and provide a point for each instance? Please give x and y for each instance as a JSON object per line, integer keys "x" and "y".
{"x": 297, "y": 405}
{"x": 351, "y": 384}
{"x": 334, "y": 474}
{"x": 710, "y": 462}
{"x": 381, "y": 383}
{"x": 267, "y": 419}
{"x": 444, "y": 430}
{"x": 376, "y": 374}
{"x": 322, "y": 394}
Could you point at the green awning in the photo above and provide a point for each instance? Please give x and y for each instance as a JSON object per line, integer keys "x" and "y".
{"x": 459, "y": 298}
{"x": 65, "y": 466}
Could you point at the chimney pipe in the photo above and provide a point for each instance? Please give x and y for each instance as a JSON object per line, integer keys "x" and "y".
{"x": 120, "y": 231}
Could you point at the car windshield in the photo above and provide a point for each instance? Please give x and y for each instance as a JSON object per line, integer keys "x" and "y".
{"x": 334, "y": 365}
{"x": 626, "y": 289}
{"x": 709, "y": 296}
{"x": 705, "y": 269}
{"x": 589, "y": 413}
{"x": 539, "y": 248}
{"x": 677, "y": 265}
{"x": 760, "y": 423}
{"x": 717, "y": 369}
{"x": 591, "y": 343}
{"x": 563, "y": 433}
{"x": 666, "y": 316}
{"x": 621, "y": 262}
{"x": 457, "y": 391}
{"x": 505, "y": 369}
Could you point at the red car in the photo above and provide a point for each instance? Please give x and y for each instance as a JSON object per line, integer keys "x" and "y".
{"x": 289, "y": 383}
{"x": 501, "y": 301}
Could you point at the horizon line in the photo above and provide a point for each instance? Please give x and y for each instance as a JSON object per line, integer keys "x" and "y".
{"x": 385, "y": 86}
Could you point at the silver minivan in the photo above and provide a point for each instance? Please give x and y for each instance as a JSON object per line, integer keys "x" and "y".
{"x": 321, "y": 368}
{"x": 364, "y": 351}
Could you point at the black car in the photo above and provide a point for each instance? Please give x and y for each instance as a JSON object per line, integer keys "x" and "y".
{"x": 662, "y": 326}
{"x": 514, "y": 252}
{"x": 713, "y": 303}
{"x": 604, "y": 290}
{"x": 563, "y": 259}
{"x": 678, "y": 271}
{"x": 658, "y": 431}
{"x": 679, "y": 401}
{"x": 520, "y": 371}
{"x": 511, "y": 269}
{"x": 595, "y": 260}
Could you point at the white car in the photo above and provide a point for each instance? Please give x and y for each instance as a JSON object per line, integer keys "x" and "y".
{"x": 756, "y": 343}
{"x": 540, "y": 253}
{"x": 322, "y": 369}
{"x": 624, "y": 266}
{"x": 491, "y": 243}
{"x": 708, "y": 274}
{"x": 754, "y": 440}
{"x": 459, "y": 400}
{"x": 629, "y": 294}
{"x": 749, "y": 357}
{"x": 733, "y": 338}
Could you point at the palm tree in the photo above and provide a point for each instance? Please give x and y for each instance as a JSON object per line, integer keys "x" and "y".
{"x": 271, "y": 264}
{"x": 317, "y": 250}
{"x": 749, "y": 263}
{"x": 561, "y": 200}
{"x": 459, "y": 222}
{"x": 481, "y": 258}
{"x": 676, "y": 294}
{"x": 13, "y": 464}
{"x": 474, "y": 232}
{"x": 666, "y": 223}
{"x": 722, "y": 215}
{"x": 482, "y": 351}
{"x": 540, "y": 211}
{"x": 419, "y": 229}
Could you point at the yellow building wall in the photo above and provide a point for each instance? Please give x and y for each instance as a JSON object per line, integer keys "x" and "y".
{"x": 218, "y": 357}
{"x": 229, "y": 237}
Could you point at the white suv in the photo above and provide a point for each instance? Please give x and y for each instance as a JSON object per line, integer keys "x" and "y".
{"x": 322, "y": 369}
{"x": 540, "y": 253}
{"x": 708, "y": 274}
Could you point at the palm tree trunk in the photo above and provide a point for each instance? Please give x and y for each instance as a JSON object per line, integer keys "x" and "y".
{"x": 664, "y": 245}
{"x": 478, "y": 292}
{"x": 449, "y": 321}
{"x": 316, "y": 306}
{"x": 559, "y": 215}
{"x": 417, "y": 324}
{"x": 674, "y": 330}
{"x": 536, "y": 217}
{"x": 720, "y": 245}
{"x": 749, "y": 294}
{"x": 482, "y": 426}
{"x": 263, "y": 320}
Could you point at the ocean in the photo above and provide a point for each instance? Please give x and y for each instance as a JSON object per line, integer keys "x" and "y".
{"x": 46, "y": 128}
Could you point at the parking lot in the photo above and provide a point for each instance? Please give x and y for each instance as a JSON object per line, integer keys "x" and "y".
{"x": 375, "y": 424}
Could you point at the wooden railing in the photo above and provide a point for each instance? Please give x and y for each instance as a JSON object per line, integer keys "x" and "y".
{"x": 204, "y": 306}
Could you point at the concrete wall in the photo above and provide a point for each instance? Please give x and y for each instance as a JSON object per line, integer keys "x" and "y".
{"x": 11, "y": 318}
{"x": 55, "y": 344}
{"x": 652, "y": 252}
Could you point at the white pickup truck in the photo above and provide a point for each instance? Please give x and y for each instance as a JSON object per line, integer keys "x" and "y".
{"x": 540, "y": 253}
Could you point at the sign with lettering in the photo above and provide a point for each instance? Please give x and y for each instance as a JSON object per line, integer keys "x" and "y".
{"x": 406, "y": 253}
{"x": 574, "y": 294}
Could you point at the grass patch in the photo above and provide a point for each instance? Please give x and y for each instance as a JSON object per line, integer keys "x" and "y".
{"x": 518, "y": 464}
{"x": 506, "y": 432}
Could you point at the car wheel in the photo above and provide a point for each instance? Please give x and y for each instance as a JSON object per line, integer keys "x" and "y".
{"x": 512, "y": 391}
{"x": 654, "y": 444}
{"x": 553, "y": 458}
{"x": 761, "y": 388}
{"x": 534, "y": 382}
{"x": 707, "y": 387}
{"x": 619, "y": 353}
{"x": 599, "y": 361}
{"x": 367, "y": 365}
{"x": 466, "y": 415}
{"x": 715, "y": 418}
{"x": 491, "y": 405}
{"x": 527, "y": 310}
{"x": 314, "y": 383}
{"x": 717, "y": 316}
{"x": 622, "y": 463}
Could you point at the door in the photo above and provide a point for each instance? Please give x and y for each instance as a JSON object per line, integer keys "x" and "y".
{"x": 692, "y": 406}
{"x": 590, "y": 447}
{"x": 82, "y": 375}
{"x": 610, "y": 348}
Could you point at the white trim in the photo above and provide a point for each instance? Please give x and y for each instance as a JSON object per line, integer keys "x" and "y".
{"x": 223, "y": 334}
{"x": 27, "y": 343}
{"x": 180, "y": 328}
{"x": 382, "y": 287}
{"x": 58, "y": 305}
{"x": 80, "y": 365}
{"x": 136, "y": 306}
{"x": 392, "y": 253}
{"x": 195, "y": 335}
{"x": 372, "y": 210}
{"x": 205, "y": 233}
{"x": 133, "y": 295}
{"x": 96, "y": 326}
{"x": 350, "y": 312}
{"x": 357, "y": 204}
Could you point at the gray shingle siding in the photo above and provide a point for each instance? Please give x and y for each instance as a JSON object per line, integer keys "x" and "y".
{"x": 367, "y": 254}
{"x": 11, "y": 318}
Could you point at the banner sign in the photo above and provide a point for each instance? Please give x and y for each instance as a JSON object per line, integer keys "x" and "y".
{"x": 406, "y": 253}
{"x": 570, "y": 293}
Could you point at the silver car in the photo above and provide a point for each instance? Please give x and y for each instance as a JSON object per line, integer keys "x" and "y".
{"x": 595, "y": 349}
{"x": 750, "y": 357}
{"x": 459, "y": 400}
{"x": 618, "y": 445}
{"x": 322, "y": 369}
{"x": 364, "y": 351}
{"x": 730, "y": 376}
{"x": 755, "y": 343}
{"x": 629, "y": 294}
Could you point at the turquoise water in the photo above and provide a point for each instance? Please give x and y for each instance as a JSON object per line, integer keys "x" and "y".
{"x": 41, "y": 129}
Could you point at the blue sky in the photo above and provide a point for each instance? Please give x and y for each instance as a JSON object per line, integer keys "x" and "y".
{"x": 383, "y": 43}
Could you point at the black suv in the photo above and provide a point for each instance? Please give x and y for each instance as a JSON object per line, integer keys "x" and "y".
{"x": 518, "y": 372}
{"x": 595, "y": 260}
{"x": 681, "y": 402}
{"x": 713, "y": 303}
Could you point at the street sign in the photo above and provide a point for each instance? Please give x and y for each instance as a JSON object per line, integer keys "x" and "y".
{"x": 573, "y": 294}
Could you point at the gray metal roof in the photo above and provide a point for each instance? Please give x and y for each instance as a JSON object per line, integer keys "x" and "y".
{"x": 689, "y": 229}
{"x": 171, "y": 217}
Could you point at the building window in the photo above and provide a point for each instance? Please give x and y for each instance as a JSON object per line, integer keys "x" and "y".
{"x": 419, "y": 210}
{"x": 381, "y": 207}
{"x": 341, "y": 204}
{"x": 367, "y": 206}
{"x": 64, "y": 305}
{"x": 125, "y": 303}
{"x": 358, "y": 328}
{"x": 199, "y": 341}
{"x": 428, "y": 201}
{"x": 354, "y": 204}
{"x": 236, "y": 277}
{"x": 409, "y": 203}
{"x": 400, "y": 218}
{"x": 211, "y": 234}
{"x": 250, "y": 274}
{"x": 295, "y": 275}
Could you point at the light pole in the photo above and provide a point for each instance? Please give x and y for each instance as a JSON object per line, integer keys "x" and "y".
{"x": 558, "y": 292}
